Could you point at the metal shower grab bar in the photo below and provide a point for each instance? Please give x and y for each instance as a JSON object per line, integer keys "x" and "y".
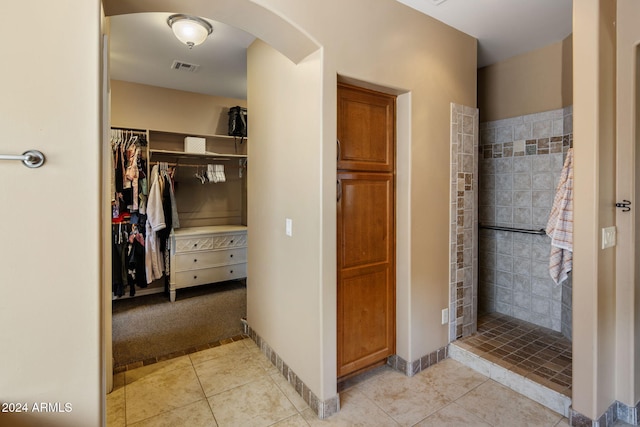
{"x": 31, "y": 158}
{"x": 540, "y": 232}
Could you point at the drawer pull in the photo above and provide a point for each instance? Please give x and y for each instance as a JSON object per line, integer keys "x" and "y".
{"x": 231, "y": 256}
{"x": 195, "y": 277}
{"x": 231, "y": 241}
{"x": 231, "y": 271}
{"x": 195, "y": 245}
{"x": 195, "y": 260}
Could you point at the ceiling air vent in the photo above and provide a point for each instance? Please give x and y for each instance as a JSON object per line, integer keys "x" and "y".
{"x": 184, "y": 66}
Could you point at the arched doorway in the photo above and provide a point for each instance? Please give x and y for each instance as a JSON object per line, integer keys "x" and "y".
{"x": 254, "y": 19}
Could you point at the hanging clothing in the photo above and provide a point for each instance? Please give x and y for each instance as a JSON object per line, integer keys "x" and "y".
{"x": 136, "y": 267}
{"x": 560, "y": 224}
{"x": 118, "y": 272}
{"x": 175, "y": 222}
{"x": 155, "y": 222}
{"x": 132, "y": 173}
{"x": 128, "y": 260}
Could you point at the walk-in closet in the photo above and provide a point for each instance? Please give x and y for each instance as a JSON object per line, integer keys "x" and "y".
{"x": 179, "y": 201}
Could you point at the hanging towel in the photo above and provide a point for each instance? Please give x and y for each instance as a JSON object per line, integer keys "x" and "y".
{"x": 560, "y": 224}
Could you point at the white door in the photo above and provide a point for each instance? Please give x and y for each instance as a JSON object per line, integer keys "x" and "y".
{"x": 50, "y": 256}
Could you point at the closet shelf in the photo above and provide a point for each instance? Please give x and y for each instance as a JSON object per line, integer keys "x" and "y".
{"x": 208, "y": 154}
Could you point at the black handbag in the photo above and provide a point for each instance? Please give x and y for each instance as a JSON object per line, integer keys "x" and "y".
{"x": 238, "y": 121}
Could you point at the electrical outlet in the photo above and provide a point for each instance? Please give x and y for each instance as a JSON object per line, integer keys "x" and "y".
{"x": 445, "y": 316}
{"x": 608, "y": 237}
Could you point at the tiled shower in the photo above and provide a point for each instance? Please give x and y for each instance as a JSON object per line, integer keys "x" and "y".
{"x": 504, "y": 173}
{"x": 521, "y": 159}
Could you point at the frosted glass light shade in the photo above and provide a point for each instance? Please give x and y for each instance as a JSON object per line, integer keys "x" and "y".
{"x": 190, "y": 30}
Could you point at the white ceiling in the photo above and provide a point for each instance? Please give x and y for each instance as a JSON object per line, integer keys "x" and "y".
{"x": 143, "y": 47}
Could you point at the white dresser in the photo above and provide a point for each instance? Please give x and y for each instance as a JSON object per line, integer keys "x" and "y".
{"x": 201, "y": 255}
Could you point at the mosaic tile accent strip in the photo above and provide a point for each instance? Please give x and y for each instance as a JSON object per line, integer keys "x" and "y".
{"x": 628, "y": 414}
{"x": 323, "y": 408}
{"x": 530, "y": 147}
{"x": 463, "y": 288}
{"x": 607, "y": 419}
{"x": 411, "y": 368}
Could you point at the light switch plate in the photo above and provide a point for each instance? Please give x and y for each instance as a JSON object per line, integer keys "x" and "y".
{"x": 608, "y": 237}
{"x": 288, "y": 227}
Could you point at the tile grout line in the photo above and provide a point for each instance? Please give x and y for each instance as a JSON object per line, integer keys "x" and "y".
{"x": 204, "y": 393}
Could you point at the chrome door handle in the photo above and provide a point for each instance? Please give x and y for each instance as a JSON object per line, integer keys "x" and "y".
{"x": 31, "y": 159}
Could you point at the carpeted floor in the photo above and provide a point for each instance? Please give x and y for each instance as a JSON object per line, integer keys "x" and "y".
{"x": 151, "y": 326}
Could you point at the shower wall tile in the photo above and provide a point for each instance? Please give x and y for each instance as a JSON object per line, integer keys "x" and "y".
{"x": 504, "y": 247}
{"x": 542, "y": 181}
{"x": 504, "y": 263}
{"x": 522, "y": 249}
{"x": 542, "y": 129}
{"x": 522, "y": 215}
{"x": 522, "y": 283}
{"x": 504, "y": 134}
{"x": 522, "y": 165}
{"x": 521, "y": 181}
{"x": 504, "y": 215}
{"x": 522, "y": 267}
{"x": 520, "y": 160}
{"x": 521, "y": 198}
{"x": 522, "y": 131}
{"x": 488, "y": 135}
{"x": 466, "y": 209}
{"x": 522, "y": 300}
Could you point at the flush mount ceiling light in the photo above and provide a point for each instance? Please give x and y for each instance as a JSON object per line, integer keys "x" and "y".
{"x": 190, "y": 30}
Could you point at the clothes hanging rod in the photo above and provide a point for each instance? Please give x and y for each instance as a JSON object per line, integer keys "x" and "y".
{"x": 130, "y": 130}
{"x": 190, "y": 165}
{"x": 205, "y": 155}
{"x": 540, "y": 232}
{"x": 31, "y": 158}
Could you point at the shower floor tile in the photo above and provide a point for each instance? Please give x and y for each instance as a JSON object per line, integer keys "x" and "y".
{"x": 539, "y": 354}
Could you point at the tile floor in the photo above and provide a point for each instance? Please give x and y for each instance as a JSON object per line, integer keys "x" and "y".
{"x": 539, "y": 354}
{"x": 235, "y": 385}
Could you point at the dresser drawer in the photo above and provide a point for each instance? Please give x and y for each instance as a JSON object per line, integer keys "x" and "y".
{"x": 204, "y": 259}
{"x": 186, "y": 279}
{"x": 223, "y": 241}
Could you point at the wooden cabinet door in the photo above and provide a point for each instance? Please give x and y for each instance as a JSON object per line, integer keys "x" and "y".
{"x": 366, "y": 230}
{"x": 366, "y": 274}
{"x": 366, "y": 130}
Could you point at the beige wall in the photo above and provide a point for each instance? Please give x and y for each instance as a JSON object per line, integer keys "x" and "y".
{"x": 391, "y": 46}
{"x": 436, "y": 64}
{"x": 141, "y": 106}
{"x": 594, "y": 362}
{"x": 540, "y": 80}
{"x": 285, "y": 164}
{"x": 50, "y": 266}
{"x": 627, "y": 275}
